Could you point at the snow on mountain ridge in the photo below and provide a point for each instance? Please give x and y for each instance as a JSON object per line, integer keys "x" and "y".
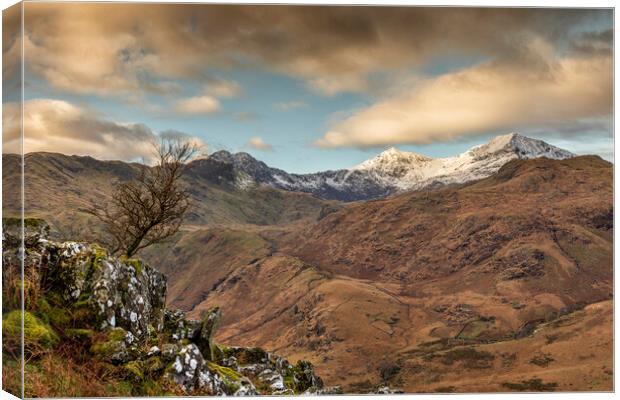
{"x": 394, "y": 171}
{"x": 406, "y": 171}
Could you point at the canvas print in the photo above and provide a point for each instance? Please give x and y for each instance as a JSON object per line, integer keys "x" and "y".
{"x": 209, "y": 200}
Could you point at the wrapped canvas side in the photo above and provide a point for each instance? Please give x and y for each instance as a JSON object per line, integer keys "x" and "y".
{"x": 13, "y": 283}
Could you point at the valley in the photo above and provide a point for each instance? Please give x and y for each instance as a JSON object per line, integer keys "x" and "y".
{"x": 498, "y": 283}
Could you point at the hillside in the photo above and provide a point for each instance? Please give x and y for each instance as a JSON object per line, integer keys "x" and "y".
{"x": 402, "y": 281}
{"x": 58, "y": 188}
{"x": 426, "y": 290}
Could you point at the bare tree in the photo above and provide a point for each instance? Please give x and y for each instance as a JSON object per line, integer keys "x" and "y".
{"x": 151, "y": 207}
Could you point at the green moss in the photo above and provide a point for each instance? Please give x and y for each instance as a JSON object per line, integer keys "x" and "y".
{"x": 79, "y": 334}
{"x": 230, "y": 377}
{"x": 117, "y": 334}
{"x": 153, "y": 365}
{"x": 301, "y": 379}
{"x": 289, "y": 382}
{"x": 51, "y": 311}
{"x": 221, "y": 352}
{"x": 43, "y": 309}
{"x": 36, "y": 332}
{"x": 110, "y": 345}
{"x": 134, "y": 370}
{"x": 99, "y": 253}
{"x": 122, "y": 388}
{"x": 135, "y": 263}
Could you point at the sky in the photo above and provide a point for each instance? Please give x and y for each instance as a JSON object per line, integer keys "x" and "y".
{"x": 305, "y": 88}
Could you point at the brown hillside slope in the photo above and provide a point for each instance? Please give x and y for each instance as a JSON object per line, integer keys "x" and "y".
{"x": 59, "y": 187}
{"x": 473, "y": 288}
{"x": 394, "y": 285}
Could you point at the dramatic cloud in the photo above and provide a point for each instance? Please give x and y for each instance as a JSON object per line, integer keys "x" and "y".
{"x": 491, "y": 97}
{"x": 427, "y": 74}
{"x": 290, "y": 105}
{"x": 107, "y": 48}
{"x": 257, "y": 143}
{"x": 59, "y": 126}
{"x": 198, "y": 105}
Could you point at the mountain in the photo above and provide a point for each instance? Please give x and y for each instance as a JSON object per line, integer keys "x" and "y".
{"x": 425, "y": 290}
{"x": 59, "y": 188}
{"x": 394, "y": 171}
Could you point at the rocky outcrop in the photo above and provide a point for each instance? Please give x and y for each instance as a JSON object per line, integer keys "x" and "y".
{"x": 117, "y": 306}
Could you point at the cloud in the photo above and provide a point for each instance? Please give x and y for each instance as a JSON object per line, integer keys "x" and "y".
{"x": 59, "y": 126}
{"x": 208, "y": 102}
{"x": 489, "y": 97}
{"x": 257, "y": 143}
{"x": 198, "y": 105}
{"x": 290, "y": 105}
{"x": 223, "y": 88}
{"x": 142, "y": 47}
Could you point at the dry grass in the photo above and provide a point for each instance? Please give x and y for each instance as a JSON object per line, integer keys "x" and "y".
{"x": 58, "y": 374}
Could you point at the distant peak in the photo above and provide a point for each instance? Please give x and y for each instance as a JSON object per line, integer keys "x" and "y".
{"x": 522, "y": 146}
{"x": 503, "y": 140}
{"x": 392, "y": 150}
{"x": 392, "y": 157}
{"x": 243, "y": 156}
{"x": 221, "y": 153}
{"x": 221, "y": 156}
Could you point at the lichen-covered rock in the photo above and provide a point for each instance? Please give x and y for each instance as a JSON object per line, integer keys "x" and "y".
{"x": 118, "y": 293}
{"x": 113, "y": 347}
{"x": 324, "y": 391}
{"x": 272, "y": 373}
{"x": 207, "y": 329}
{"x": 169, "y": 351}
{"x": 186, "y": 368}
{"x": 192, "y": 372}
{"x": 179, "y": 328}
{"x": 131, "y": 295}
{"x": 305, "y": 377}
{"x": 34, "y": 230}
{"x": 272, "y": 378}
{"x": 117, "y": 307}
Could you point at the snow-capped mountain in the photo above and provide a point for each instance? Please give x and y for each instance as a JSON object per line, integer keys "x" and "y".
{"x": 393, "y": 170}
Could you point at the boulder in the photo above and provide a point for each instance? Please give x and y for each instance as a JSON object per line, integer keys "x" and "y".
{"x": 207, "y": 330}
{"x": 179, "y": 328}
{"x": 117, "y": 307}
{"x": 186, "y": 368}
{"x": 113, "y": 347}
{"x": 116, "y": 292}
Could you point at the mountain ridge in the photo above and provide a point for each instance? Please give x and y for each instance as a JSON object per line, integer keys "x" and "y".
{"x": 391, "y": 171}
{"x": 394, "y": 171}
